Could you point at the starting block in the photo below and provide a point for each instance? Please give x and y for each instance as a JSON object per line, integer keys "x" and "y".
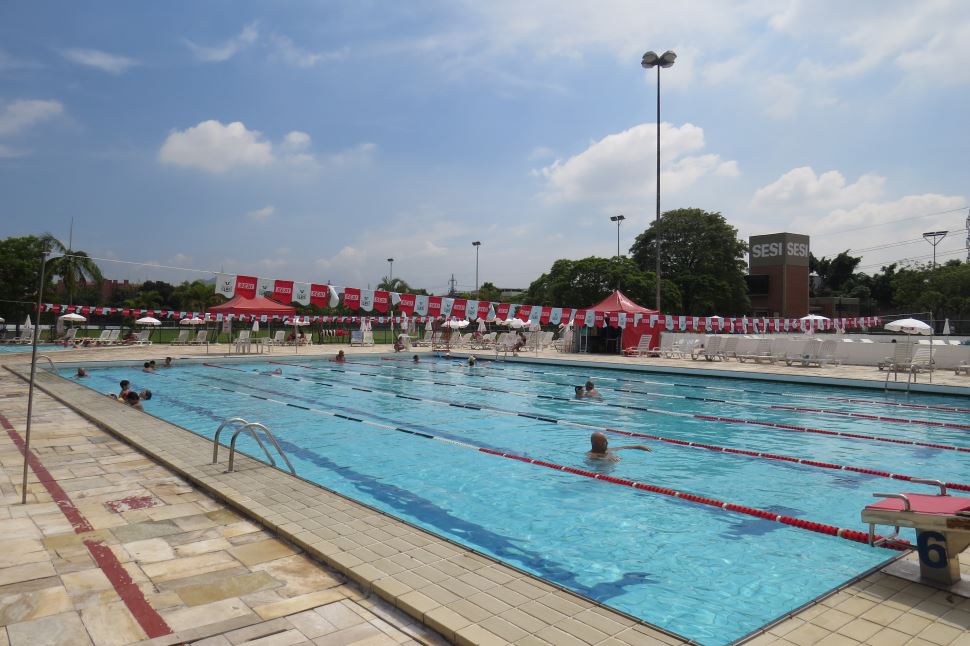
{"x": 942, "y": 524}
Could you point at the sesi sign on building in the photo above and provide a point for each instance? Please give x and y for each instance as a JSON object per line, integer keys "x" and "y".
{"x": 778, "y": 274}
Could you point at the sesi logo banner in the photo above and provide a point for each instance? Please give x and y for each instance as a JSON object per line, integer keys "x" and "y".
{"x": 382, "y": 301}
{"x": 226, "y": 285}
{"x": 246, "y": 286}
{"x": 283, "y": 291}
{"x": 352, "y": 297}
{"x": 772, "y": 249}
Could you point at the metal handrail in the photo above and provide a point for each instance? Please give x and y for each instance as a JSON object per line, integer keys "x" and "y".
{"x": 249, "y": 427}
{"x": 235, "y": 421}
{"x": 49, "y": 361}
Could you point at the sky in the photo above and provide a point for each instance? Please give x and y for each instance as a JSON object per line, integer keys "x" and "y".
{"x": 314, "y": 140}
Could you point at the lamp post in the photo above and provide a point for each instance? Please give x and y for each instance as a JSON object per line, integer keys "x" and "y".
{"x": 390, "y": 269}
{"x": 476, "y": 244}
{"x": 617, "y": 219}
{"x": 934, "y": 238}
{"x": 650, "y": 60}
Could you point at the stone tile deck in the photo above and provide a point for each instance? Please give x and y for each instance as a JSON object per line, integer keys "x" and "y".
{"x": 468, "y": 598}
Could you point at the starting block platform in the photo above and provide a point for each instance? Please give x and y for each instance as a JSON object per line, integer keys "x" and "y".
{"x": 942, "y": 524}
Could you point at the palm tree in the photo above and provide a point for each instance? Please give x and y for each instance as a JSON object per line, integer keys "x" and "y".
{"x": 195, "y": 296}
{"x": 74, "y": 267}
{"x": 394, "y": 285}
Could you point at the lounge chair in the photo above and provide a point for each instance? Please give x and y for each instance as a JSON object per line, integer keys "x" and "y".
{"x": 762, "y": 352}
{"x": 815, "y": 354}
{"x": 182, "y": 338}
{"x": 278, "y": 339}
{"x": 710, "y": 351}
{"x": 964, "y": 367}
{"x": 902, "y": 356}
{"x": 640, "y": 349}
{"x": 730, "y": 348}
{"x": 68, "y": 337}
{"x": 103, "y": 339}
{"x": 142, "y": 338}
{"x": 201, "y": 338}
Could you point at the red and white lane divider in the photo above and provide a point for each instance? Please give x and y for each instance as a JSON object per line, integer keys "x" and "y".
{"x": 648, "y": 436}
{"x": 660, "y": 411}
{"x": 800, "y": 409}
{"x": 821, "y": 528}
{"x": 949, "y": 409}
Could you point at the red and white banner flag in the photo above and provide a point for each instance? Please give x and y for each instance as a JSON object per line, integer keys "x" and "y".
{"x": 421, "y": 305}
{"x": 502, "y": 311}
{"x": 382, "y": 301}
{"x": 283, "y": 291}
{"x": 458, "y": 308}
{"x": 226, "y": 285}
{"x": 319, "y": 295}
{"x": 367, "y": 299}
{"x": 524, "y": 312}
{"x": 246, "y": 286}
{"x": 446, "y": 305}
{"x": 434, "y": 306}
{"x": 545, "y": 315}
{"x": 406, "y": 304}
{"x": 483, "y": 309}
{"x": 352, "y": 297}
{"x": 301, "y": 293}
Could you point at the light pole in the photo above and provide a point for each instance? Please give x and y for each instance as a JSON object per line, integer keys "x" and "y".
{"x": 934, "y": 238}
{"x": 650, "y": 59}
{"x": 390, "y": 270}
{"x": 617, "y": 219}
{"x": 476, "y": 244}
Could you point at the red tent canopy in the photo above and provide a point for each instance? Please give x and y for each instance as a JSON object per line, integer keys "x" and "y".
{"x": 252, "y": 307}
{"x": 619, "y": 302}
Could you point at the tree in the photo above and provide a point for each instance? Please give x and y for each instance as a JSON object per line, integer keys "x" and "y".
{"x": 194, "y": 297}
{"x": 489, "y": 292}
{"x": 19, "y": 273}
{"x": 75, "y": 268}
{"x": 398, "y": 285}
{"x": 702, "y": 255}
{"x": 836, "y": 274}
{"x": 581, "y": 283}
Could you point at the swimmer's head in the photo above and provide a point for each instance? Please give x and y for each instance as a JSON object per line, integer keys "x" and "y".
{"x": 579, "y": 391}
{"x": 589, "y": 385}
{"x": 599, "y": 442}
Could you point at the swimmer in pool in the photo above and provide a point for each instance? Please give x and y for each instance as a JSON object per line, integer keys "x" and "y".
{"x": 580, "y": 393}
{"x": 472, "y": 361}
{"x": 416, "y": 359}
{"x": 600, "y": 448}
{"x": 591, "y": 392}
{"x": 340, "y": 358}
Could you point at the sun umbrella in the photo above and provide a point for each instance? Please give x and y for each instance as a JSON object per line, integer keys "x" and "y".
{"x": 517, "y": 324}
{"x": 430, "y": 324}
{"x": 148, "y": 320}
{"x": 195, "y": 320}
{"x": 255, "y": 324}
{"x": 946, "y": 327}
{"x": 909, "y": 326}
{"x": 481, "y": 325}
{"x": 72, "y": 317}
{"x": 27, "y": 322}
{"x": 2, "y": 320}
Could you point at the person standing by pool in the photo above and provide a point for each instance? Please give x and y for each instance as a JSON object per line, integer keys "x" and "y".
{"x": 600, "y": 447}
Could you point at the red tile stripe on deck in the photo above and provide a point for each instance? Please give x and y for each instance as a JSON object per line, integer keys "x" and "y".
{"x": 146, "y": 616}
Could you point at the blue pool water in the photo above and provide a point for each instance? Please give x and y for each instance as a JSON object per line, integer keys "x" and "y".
{"x": 702, "y": 572}
{"x": 25, "y": 347}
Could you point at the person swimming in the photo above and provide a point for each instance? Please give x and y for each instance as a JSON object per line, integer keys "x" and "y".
{"x": 599, "y": 449}
{"x": 341, "y": 357}
{"x": 580, "y": 393}
{"x": 81, "y": 372}
{"x": 416, "y": 359}
{"x": 472, "y": 361}
{"x": 591, "y": 392}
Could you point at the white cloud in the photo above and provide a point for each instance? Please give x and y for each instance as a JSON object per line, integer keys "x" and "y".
{"x": 291, "y": 54}
{"x": 110, "y": 63}
{"x": 357, "y": 156}
{"x": 228, "y": 49}
{"x": 296, "y": 140}
{"x": 542, "y": 152}
{"x": 779, "y": 97}
{"x": 19, "y": 115}
{"x": 216, "y": 147}
{"x": 802, "y": 189}
{"x": 623, "y": 165}
{"x": 263, "y": 214}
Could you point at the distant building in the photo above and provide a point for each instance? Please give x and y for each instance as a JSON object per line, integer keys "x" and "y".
{"x": 778, "y": 275}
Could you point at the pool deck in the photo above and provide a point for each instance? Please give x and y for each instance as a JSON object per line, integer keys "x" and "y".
{"x": 129, "y": 532}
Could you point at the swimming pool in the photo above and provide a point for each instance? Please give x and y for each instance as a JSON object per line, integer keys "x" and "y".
{"x": 409, "y": 437}
{"x": 26, "y": 347}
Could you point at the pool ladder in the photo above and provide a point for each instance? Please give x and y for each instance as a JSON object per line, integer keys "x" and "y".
{"x": 240, "y": 425}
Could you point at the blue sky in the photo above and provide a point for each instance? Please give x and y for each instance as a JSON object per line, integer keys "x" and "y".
{"x": 313, "y": 140}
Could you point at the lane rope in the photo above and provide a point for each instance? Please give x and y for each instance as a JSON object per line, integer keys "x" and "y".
{"x": 658, "y": 438}
{"x": 821, "y": 528}
{"x": 659, "y": 411}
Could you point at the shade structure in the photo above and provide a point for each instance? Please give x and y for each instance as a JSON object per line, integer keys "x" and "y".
{"x": 258, "y": 306}
{"x": 148, "y": 320}
{"x": 195, "y": 320}
{"x": 72, "y": 317}
{"x": 618, "y": 302}
{"x": 946, "y": 327}
{"x": 909, "y": 326}
{"x": 815, "y": 317}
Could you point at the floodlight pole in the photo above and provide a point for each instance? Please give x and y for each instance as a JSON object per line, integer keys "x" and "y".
{"x": 33, "y": 372}
{"x": 390, "y": 280}
{"x": 618, "y": 219}
{"x": 476, "y": 244}
{"x": 650, "y": 59}
{"x": 934, "y": 238}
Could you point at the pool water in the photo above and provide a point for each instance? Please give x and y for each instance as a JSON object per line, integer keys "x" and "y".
{"x": 26, "y": 347}
{"x": 705, "y": 573}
